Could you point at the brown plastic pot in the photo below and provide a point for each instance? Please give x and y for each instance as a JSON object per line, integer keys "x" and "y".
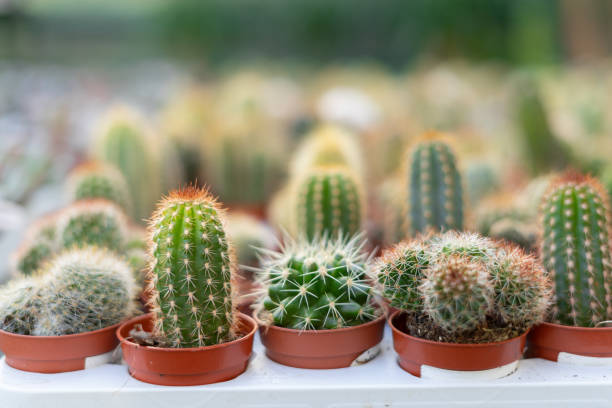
{"x": 414, "y": 352}
{"x": 56, "y": 354}
{"x": 186, "y": 366}
{"x": 321, "y": 349}
{"x": 547, "y": 340}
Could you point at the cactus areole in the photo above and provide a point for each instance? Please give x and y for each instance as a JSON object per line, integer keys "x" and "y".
{"x": 191, "y": 271}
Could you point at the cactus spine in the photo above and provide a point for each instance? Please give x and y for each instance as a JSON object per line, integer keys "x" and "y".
{"x": 20, "y": 305}
{"x": 313, "y": 285}
{"x": 329, "y": 201}
{"x": 575, "y": 249}
{"x": 435, "y": 185}
{"x": 191, "y": 271}
{"x": 99, "y": 180}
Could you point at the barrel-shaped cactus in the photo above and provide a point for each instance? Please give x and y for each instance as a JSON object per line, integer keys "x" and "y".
{"x": 92, "y": 222}
{"x": 313, "y": 285}
{"x": 435, "y": 187}
{"x": 329, "y": 201}
{"x": 38, "y": 245}
{"x": 85, "y": 289}
{"x": 457, "y": 293}
{"x": 95, "y": 179}
{"x": 575, "y": 248}
{"x": 191, "y": 271}
{"x": 124, "y": 141}
{"x": 20, "y": 305}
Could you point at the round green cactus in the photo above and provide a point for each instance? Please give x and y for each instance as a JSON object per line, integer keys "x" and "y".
{"x": 329, "y": 201}
{"x": 85, "y": 289}
{"x": 400, "y": 273}
{"x": 314, "y": 285}
{"x": 37, "y": 247}
{"x": 435, "y": 185}
{"x": 575, "y": 248}
{"x": 99, "y": 180}
{"x": 20, "y": 305}
{"x": 92, "y": 222}
{"x": 457, "y": 294}
{"x": 191, "y": 271}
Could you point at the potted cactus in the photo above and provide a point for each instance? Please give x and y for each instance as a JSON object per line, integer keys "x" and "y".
{"x": 575, "y": 249}
{"x": 194, "y": 335}
{"x": 64, "y": 318}
{"x": 465, "y": 303}
{"x": 315, "y": 304}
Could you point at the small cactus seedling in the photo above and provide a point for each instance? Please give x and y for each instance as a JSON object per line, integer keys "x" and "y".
{"x": 435, "y": 187}
{"x": 124, "y": 141}
{"x": 329, "y": 201}
{"x": 37, "y": 247}
{"x": 99, "y": 180}
{"x": 84, "y": 289}
{"x": 457, "y": 293}
{"x": 575, "y": 248}
{"x": 191, "y": 271}
{"x": 400, "y": 273}
{"x": 313, "y": 285}
{"x": 20, "y": 305}
{"x": 92, "y": 222}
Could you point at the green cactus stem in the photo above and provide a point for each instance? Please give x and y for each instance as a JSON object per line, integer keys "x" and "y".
{"x": 99, "y": 180}
{"x": 575, "y": 248}
{"x": 37, "y": 247}
{"x": 191, "y": 271}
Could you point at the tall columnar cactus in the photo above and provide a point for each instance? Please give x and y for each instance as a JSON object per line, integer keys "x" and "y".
{"x": 457, "y": 293}
{"x": 124, "y": 141}
{"x": 99, "y": 180}
{"x": 316, "y": 285}
{"x": 435, "y": 187}
{"x": 329, "y": 201}
{"x": 83, "y": 290}
{"x": 92, "y": 222}
{"x": 575, "y": 248}
{"x": 37, "y": 247}
{"x": 463, "y": 287}
{"x": 191, "y": 271}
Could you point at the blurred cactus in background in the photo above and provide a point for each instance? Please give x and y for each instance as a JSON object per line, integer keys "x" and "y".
{"x": 38, "y": 245}
{"x": 124, "y": 141}
{"x": 99, "y": 180}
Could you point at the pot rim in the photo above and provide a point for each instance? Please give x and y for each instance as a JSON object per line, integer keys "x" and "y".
{"x": 445, "y": 344}
{"x": 573, "y": 328}
{"x": 65, "y": 336}
{"x": 321, "y": 331}
{"x": 124, "y": 340}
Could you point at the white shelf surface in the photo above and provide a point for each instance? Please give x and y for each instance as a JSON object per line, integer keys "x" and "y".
{"x": 377, "y": 384}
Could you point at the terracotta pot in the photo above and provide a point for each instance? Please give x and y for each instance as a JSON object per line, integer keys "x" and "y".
{"x": 414, "y": 352}
{"x": 186, "y": 366}
{"x": 547, "y": 340}
{"x": 321, "y": 349}
{"x": 58, "y": 354}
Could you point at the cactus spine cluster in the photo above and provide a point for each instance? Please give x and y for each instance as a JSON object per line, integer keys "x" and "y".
{"x": 191, "y": 271}
{"x": 435, "y": 187}
{"x": 79, "y": 290}
{"x": 124, "y": 141}
{"x": 575, "y": 248}
{"x": 313, "y": 285}
{"x": 99, "y": 180}
{"x": 468, "y": 287}
{"x": 329, "y": 201}
{"x": 92, "y": 222}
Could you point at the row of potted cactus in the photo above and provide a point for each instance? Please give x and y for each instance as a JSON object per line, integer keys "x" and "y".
{"x": 454, "y": 300}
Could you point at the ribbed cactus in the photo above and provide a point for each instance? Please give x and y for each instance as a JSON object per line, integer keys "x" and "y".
{"x": 124, "y": 141}
{"x": 462, "y": 287}
{"x": 400, "y": 273}
{"x": 83, "y": 290}
{"x": 37, "y": 247}
{"x": 92, "y": 222}
{"x": 99, "y": 180}
{"x": 435, "y": 187}
{"x": 316, "y": 285}
{"x": 457, "y": 294}
{"x": 20, "y": 305}
{"x": 191, "y": 271}
{"x": 329, "y": 201}
{"x": 575, "y": 248}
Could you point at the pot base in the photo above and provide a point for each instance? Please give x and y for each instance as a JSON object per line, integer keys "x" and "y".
{"x": 560, "y": 343}
{"x": 430, "y": 372}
